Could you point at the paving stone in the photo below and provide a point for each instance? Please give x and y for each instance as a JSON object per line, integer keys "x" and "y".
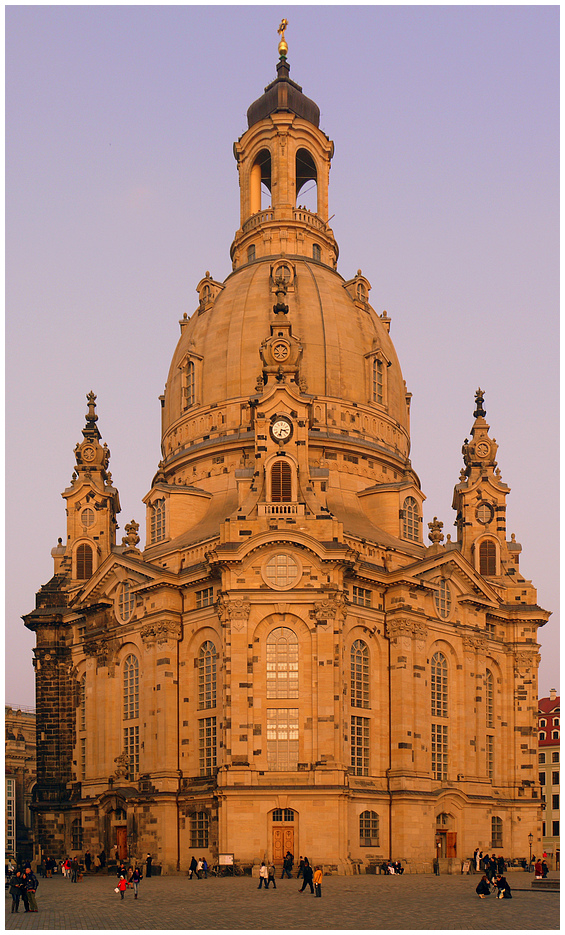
{"x": 418, "y": 901}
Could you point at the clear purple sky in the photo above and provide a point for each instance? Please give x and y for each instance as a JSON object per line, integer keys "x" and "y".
{"x": 122, "y": 191}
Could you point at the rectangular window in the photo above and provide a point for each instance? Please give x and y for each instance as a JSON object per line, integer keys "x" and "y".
{"x": 554, "y": 756}
{"x": 542, "y": 779}
{"x": 555, "y": 829}
{"x": 490, "y": 758}
{"x": 541, "y": 758}
{"x": 439, "y": 751}
{"x": 361, "y": 596}
{"x": 360, "y": 745}
{"x": 83, "y": 757}
{"x": 131, "y": 749}
{"x": 555, "y": 802}
{"x": 496, "y": 831}
{"x": 369, "y": 829}
{"x": 555, "y": 778}
{"x": 282, "y": 738}
{"x": 199, "y": 830}
{"x": 204, "y": 598}
{"x": 207, "y": 745}
{"x": 543, "y": 829}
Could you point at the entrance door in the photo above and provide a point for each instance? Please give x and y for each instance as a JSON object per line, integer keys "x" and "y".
{"x": 451, "y": 843}
{"x": 122, "y": 842}
{"x": 283, "y": 841}
{"x": 446, "y": 843}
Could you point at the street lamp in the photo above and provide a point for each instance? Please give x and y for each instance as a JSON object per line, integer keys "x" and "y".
{"x": 530, "y": 839}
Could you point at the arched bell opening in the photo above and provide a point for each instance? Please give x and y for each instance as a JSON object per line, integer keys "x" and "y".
{"x": 260, "y": 182}
{"x": 306, "y": 172}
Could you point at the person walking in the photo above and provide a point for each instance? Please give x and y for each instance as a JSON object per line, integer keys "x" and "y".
{"x": 74, "y": 870}
{"x": 102, "y": 858}
{"x": 300, "y": 868}
{"x": 199, "y": 867}
{"x": 271, "y": 876}
{"x": 31, "y": 884}
{"x": 476, "y": 860}
{"x": 287, "y": 865}
{"x": 148, "y": 862}
{"x": 192, "y": 868}
{"x": 318, "y": 882}
{"x": 263, "y": 876}
{"x": 97, "y": 863}
{"x": 122, "y": 885}
{"x": 544, "y": 869}
{"x": 307, "y": 876}
{"x": 136, "y": 879}
{"x": 16, "y": 889}
{"x": 205, "y": 868}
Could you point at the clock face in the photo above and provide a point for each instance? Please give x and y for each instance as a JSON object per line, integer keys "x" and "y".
{"x": 280, "y": 351}
{"x": 281, "y": 429}
{"x": 483, "y": 449}
{"x": 88, "y": 454}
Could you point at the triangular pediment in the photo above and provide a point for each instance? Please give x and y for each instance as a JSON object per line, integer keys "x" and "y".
{"x": 115, "y": 569}
{"x": 451, "y": 564}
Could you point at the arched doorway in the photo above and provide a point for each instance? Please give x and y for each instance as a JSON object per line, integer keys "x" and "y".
{"x": 283, "y": 821}
{"x": 445, "y": 836}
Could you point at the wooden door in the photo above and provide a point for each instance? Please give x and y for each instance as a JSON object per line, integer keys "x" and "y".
{"x": 122, "y": 842}
{"x": 451, "y": 844}
{"x": 283, "y": 841}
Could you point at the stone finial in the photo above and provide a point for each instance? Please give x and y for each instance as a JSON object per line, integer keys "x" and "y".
{"x": 435, "y": 534}
{"x": 479, "y": 399}
{"x": 122, "y": 766}
{"x": 131, "y": 540}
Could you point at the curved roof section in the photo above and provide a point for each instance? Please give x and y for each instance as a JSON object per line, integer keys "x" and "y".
{"x": 283, "y": 94}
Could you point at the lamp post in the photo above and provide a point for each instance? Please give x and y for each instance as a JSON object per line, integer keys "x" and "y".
{"x": 530, "y": 839}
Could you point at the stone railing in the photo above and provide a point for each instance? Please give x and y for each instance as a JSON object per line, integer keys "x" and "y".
{"x": 280, "y": 509}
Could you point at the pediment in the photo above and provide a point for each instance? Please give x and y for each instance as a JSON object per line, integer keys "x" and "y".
{"x": 115, "y": 569}
{"x": 471, "y": 586}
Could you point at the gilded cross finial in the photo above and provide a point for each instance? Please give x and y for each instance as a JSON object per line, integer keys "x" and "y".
{"x": 283, "y": 47}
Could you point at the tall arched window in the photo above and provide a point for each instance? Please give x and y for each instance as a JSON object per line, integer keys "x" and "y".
{"x": 378, "y": 380}
{"x": 131, "y": 713}
{"x": 487, "y": 557}
{"x": 489, "y": 698}
{"x": 207, "y": 675}
{"x": 281, "y": 482}
{"x": 496, "y": 830}
{"x": 306, "y": 180}
{"x": 158, "y": 521}
{"x": 189, "y": 387}
{"x": 359, "y": 674}
{"x": 82, "y": 703}
{"x": 439, "y": 685}
{"x": 369, "y": 829}
{"x": 126, "y": 602}
{"x": 76, "y": 835}
{"x": 410, "y": 516}
{"x": 84, "y": 562}
{"x": 282, "y": 663}
{"x": 439, "y": 740}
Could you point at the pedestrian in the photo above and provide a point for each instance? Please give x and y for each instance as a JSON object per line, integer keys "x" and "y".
{"x": 483, "y": 887}
{"x": 300, "y": 868}
{"x": 263, "y": 876}
{"x": 192, "y": 868}
{"x": 500, "y": 865}
{"x": 49, "y": 864}
{"x": 117, "y": 856}
{"x": 136, "y": 879}
{"x": 74, "y": 870}
{"x": 287, "y": 865}
{"x": 538, "y": 869}
{"x": 199, "y": 866}
{"x": 16, "y": 890}
{"x": 31, "y": 884}
{"x": 318, "y": 882}
{"x": 87, "y": 861}
{"x": 271, "y": 876}
{"x": 97, "y": 863}
{"x": 122, "y": 885}
{"x": 544, "y": 869}
{"x": 308, "y": 874}
{"x": 504, "y": 891}
{"x": 148, "y": 862}
{"x": 102, "y": 858}
{"x": 205, "y": 868}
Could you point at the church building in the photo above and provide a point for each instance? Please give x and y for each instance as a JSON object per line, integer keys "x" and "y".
{"x": 292, "y": 662}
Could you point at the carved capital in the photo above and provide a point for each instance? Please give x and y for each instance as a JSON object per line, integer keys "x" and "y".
{"x": 526, "y": 660}
{"x": 403, "y": 626}
{"x": 475, "y": 644}
{"x": 160, "y": 631}
{"x": 234, "y": 612}
{"x": 329, "y": 609}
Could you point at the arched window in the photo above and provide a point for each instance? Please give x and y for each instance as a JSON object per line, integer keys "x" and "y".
{"x": 316, "y": 252}
{"x": 76, "y": 835}
{"x": 131, "y": 688}
{"x": 378, "y": 381}
{"x": 496, "y": 832}
{"x": 555, "y": 735}
{"x": 189, "y": 384}
{"x": 442, "y": 598}
{"x": 260, "y": 182}
{"x": 306, "y": 173}
{"x": 359, "y": 674}
{"x": 82, "y": 703}
{"x": 84, "y": 562}
{"x": 369, "y": 829}
{"x": 410, "y": 527}
{"x": 282, "y": 663}
{"x": 281, "y": 482}
{"x": 361, "y": 291}
{"x": 158, "y": 520}
{"x": 543, "y": 722}
{"x": 542, "y": 735}
{"x": 283, "y": 814}
{"x": 489, "y": 698}
{"x": 487, "y": 557}
{"x": 251, "y": 253}
{"x": 439, "y": 685}
{"x": 126, "y": 602}
{"x": 207, "y": 675}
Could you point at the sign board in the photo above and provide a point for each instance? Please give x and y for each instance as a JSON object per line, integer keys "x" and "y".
{"x": 466, "y": 866}
{"x": 225, "y": 860}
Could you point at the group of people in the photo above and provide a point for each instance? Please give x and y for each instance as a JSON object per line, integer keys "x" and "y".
{"x": 391, "y": 866}
{"x": 132, "y": 876}
{"x": 23, "y": 885}
{"x": 310, "y": 877}
{"x": 491, "y": 865}
{"x": 198, "y": 868}
{"x": 541, "y": 868}
{"x": 497, "y": 884}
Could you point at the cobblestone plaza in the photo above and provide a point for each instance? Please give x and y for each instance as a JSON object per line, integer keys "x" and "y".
{"x": 420, "y": 901}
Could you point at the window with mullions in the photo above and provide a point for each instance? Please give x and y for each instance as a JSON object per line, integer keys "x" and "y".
{"x": 442, "y": 598}
{"x": 82, "y": 703}
{"x": 361, "y": 596}
{"x": 439, "y": 685}
{"x": 281, "y": 482}
{"x": 282, "y": 739}
{"x": 410, "y": 525}
{"x": 282, "y": 663}
{"x": 131, "y": 749}
{"x": 359, "y": 674}
{"x": 207, "y": 745}
{"x": 283, "y": 814}
{"x": 158, "y": 521}
{"x": 76, "y": 835}
{"x": 487, "y": 558}
{"x": 378, "y": 381}
{"x": 496, "y": 832}
{"x": 131, "y": 688}
{"x": 489, "y": 698}
{"x": 84, "y": 562}
{"x": 368, "y": 829}
{"x": 207, "y": 675}
{"x": 126, "y": 602}
{"x": 439, "y": 751}
{"x": 199, "y": 826}
{"x": 490, "y": 757}
{"x": 204, "y": 598}
{"x": 555, "y": 778}
{"x": 360, "y": 746}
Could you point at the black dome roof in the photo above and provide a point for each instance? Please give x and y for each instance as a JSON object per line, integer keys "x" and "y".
{"x": 283, "y": 94}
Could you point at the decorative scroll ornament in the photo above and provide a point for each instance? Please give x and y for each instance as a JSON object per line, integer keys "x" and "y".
{"x": 527, "y": 660}
{"x": 235, "y": 612}
{"x": 475, "y": 644}
{"x": 329, "y": 609}
{"x": 161, "y": 632}
{"x": 403, "y": 626}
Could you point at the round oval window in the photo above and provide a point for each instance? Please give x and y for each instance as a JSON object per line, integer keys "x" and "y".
{"x": 87, "y": 517}
{"x": 282, "y": 571}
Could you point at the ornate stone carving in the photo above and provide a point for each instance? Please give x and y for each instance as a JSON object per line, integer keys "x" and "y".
{"x": 122, "y": 766}
{"x": 475, "y": 644}
{"x": 236, "y": 612}
{"x": 328, "y": 609}
{"x": 160, "y": 632}
{"x": 525, "y": 660}
{"x": 435, "y": 534}
{"x": 403, "y": 626}
{"x": 130, "y": 541}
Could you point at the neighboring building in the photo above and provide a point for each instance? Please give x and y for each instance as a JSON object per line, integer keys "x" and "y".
{"x": 287, "y": 664}
{"x": 19, "y": 768}
{"x": 549, "y": 726}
